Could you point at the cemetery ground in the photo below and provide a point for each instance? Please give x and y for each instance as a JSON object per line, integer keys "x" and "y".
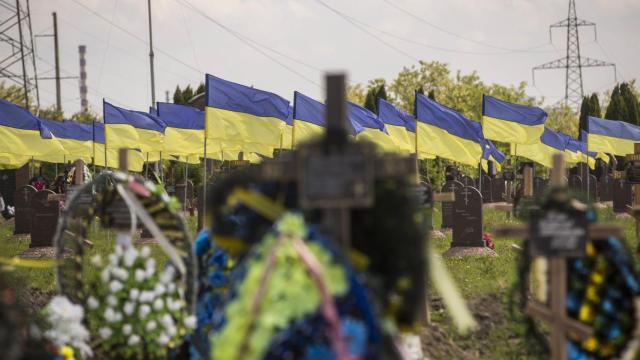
{"x": 486, "y": 283}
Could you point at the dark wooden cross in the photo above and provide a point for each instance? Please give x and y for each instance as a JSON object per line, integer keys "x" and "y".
{"x": 555, "y": 314}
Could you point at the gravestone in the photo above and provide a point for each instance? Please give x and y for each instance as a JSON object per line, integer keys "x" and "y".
{"x": 447, "y": 207}
{"x": 575, "y": 183}
{"x": 622, "y": 195}
{"x": 22, "y": 203}
{"x": 185, "y": 194}
{"x": 539, "y": 186}
{"x": 467, "y": 218}
{"x": 7, "y": 185}
{"x": 467, "y": 180}
{"x": 44, "y": 219}
{"x": 605, "y": 188}
{"x": 593, "y": 188}
{"x": 497, "y": 190}
{"x": 484, "y": 184}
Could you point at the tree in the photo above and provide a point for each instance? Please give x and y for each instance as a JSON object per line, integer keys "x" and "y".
{"x": 86, "y": 117}
{"x": 177, "y": 96}
{"x": 51, "y": 113}
{"x": 631, "y": 104}
{"x": 585, "y": 111}
{"x": 617, "y": 109}
{"x": 595, "y": 106}
{"x": 370, "y": 100}
{"x": 356, "y": 93}
{"x": 200, "y": 89}
{"x": 376, "y": 91}
{"x": 562, "y": 118}
{"x": 432, "y": 95}
{"x": 187, "y": 94}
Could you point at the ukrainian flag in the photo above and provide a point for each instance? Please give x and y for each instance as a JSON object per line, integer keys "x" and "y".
{"x": 133, "y": 130}
{"x": 23, "y": 134}
{"x": 286, "y": 138}
{"x": 550, "y": 143}
{"x": 184, "y": 134}
{"x": 612, "y": 137}
{"x": 401, "y": 126}
{"x": 76, "y": 138}
{"x": 11, "y": 161}
{"x": 308, "y": 118}
{"x": 238, "y": 115}
{"x": 512, "y": 123}
{"x": 370, "y": 128}
{"x": 135, "y": 158}
{"x": 444, "y": 132}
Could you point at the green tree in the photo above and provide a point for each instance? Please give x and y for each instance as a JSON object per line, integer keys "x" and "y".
{"x": 51, "y": 113}
{"x": 200, "y": 89}
{"x": 86, "y": 117}
{"x": 585, "y": 111}
{"x": 617, "y": 109}
{"x": 177, "y": 96}
{"x": 432, "y": 95}
{"x": 356, "y": 93}
{"x": 187, "y": 94}
{"x": 370, "y": 100}
{"x": 562, "y": 118}
{"x": 595, "y": 105}
{"x": 630, "y": 102}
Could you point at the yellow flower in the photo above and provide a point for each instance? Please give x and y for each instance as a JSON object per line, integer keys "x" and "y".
{"x": 591, "y": 344}
{"x": 66, "y": 352}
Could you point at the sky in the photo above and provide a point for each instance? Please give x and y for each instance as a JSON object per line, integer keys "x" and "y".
{"x": 289, "y": 44}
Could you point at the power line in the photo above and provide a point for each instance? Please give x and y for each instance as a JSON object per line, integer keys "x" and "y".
{"x": 432, "y": 25}
{"x": 247, "y": 42}
{"x": 362, "y": 28}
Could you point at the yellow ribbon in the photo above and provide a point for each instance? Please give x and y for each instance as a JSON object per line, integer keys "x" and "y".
{"x": 257, "y": 202}
{"x": 31, "y": 263}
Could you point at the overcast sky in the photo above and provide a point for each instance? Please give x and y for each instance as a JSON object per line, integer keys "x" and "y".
{"x": 468, "y": 34}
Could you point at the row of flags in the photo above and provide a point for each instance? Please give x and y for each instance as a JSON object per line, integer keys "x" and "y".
{"x": 241, "y": 119}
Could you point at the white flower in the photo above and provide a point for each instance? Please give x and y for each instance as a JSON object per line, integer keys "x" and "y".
{"x": 158, "y": 304}
{"x": 171, "y": 287}
{"x": 96, "y": 260}
{"x": 150, "y": 264}
{"x": 140, "y": 275}
{"x": 167, "y": 275}
{"x": 126, "y": 329}
{"x": 173, "y": 305}
{"x": 120, "y": 273}
{"x": 105, "y": 332}
{"x": 65, "y": 319}
{"x": 190, "y": 322}
{"x": 104, "y": 275}
{"x": 144, "y": 311}
{"x": 163, "y": 339}
{"x": 129, "y": 307}
{"x": 167, "y": 321}
{"x": 115, "y": 286}
{"x": 133, "y": 340}
{"x": 159, "y": 289}
{"x": 92, "y": 303}
{"x": 171, "y": 331}
{"x": 133, "y": 294}
{"x": 113, "y": 259}
{"x": 145, "y": 251}
{"x": 110, "y": 315}
{"x": 118, "y": 316}
{"x": 146, "y": 296}
{"x": 119, "y": 250}
{"x": 149, "y": 272}
{"x": 151, "y": 325}
{"x": 112, "y": 300}
{"x": 130, "y": 256}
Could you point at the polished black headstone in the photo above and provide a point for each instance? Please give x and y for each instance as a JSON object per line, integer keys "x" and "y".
{"x": 497, "y": 190}
{"x": 44, "y": 218}
{"x": 575, "y": 183}
{"x": 467, "y": 180}
{"x": 485, "y": 188}
{"x": 467, "y": 218}
{"x": 447, "y": 207}
{"x": 22, "y": 202}
{"x": 593, "y": 188}
{"x": 605, "y": 189}
{"x": 622, "y": 195}
{"x": 539, "y": 186}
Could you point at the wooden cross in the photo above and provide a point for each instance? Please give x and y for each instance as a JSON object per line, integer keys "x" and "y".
{"x": 555, "y": 314}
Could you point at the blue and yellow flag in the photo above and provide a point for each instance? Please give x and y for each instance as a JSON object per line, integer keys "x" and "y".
{"x": 612, "y": 137}
{"x": 135, "y": 159}
{"x": 76, "y": 138}
{"x": 132, "y": 129}
{"x": 308, "y": 118}
{"x": 286, "y": 138}
{"x": 444, "y": 132}
{"x": 23, "y": 134}
{"x": 241, "y": 116}
{"x": 489, "y": 151}
{"x": 184, "y": 134}
{"x": 370, "y": 128}
{"x": 511, "y": 123}
{"x": 542, "y": 152}
{"x": 400, "y": 126}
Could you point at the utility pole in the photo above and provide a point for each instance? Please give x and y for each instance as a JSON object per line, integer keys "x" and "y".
{"x": 57, "y": 54}
{"x": 84, "y": 103}
{"x": 22, "y": 58}
{"x": 572, "y": 63}
{"x": 153, "y": 80}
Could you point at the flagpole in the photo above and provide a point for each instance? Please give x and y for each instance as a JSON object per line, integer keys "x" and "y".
{"x": 93, "y": 148}
{"x": 186, "y": 179}
{"x": 204, "y": 180}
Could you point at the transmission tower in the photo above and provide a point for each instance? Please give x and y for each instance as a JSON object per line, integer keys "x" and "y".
{"x": 18, "y": 59}
{"x": 573, "y": 62}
